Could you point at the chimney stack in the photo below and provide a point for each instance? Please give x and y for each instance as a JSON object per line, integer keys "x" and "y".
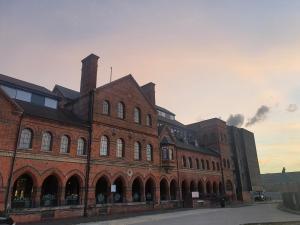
{"x": 149, "y": 91}
{"x": 88, "y": 74}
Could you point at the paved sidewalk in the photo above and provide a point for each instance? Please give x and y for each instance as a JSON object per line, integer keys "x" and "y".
{"x": 213, "y": 216}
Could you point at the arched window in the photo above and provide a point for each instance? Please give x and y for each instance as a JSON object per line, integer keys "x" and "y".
{"x": 183, "y": 161}
{"x": 120, "y": 148}
{"x": 228, "y": 163}
{"x": 64, "y": 144}
{"x": 105, "y": 107}
{"x": 190, "y": 162}
{"x": 137, "y": 115}
{"x": 81, "y": 149}
{"x": 149, "y": 152}
{"x": 197, "y": 164}
{"x": 148, "y": 120}
{"x": 203, "y": 164}
{"x": 121, "y": 110}
{"x": 46, "y": 141}
{"x": 213, "y": 165}
{"x": 25, "y": 139}
{"x": 104, "y": 146}
{"x": 207, "y": 165}
{"x": 137, "y": 151}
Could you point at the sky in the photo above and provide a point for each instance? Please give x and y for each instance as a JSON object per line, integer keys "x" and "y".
{"x": 208, "y": 58}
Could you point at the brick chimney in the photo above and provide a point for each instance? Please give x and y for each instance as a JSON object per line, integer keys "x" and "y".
{"x": 88, "y": 74}
{"x": 149, "y": 91}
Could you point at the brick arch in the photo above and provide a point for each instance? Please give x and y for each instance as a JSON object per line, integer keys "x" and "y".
{"x": 156, "y": 182}
{"x": 104, "y": 174}
{"x": 166, "y": 178}
{"x": 78, "y": 174}
{"x": 137, "y": 175}
{"x": 56, "y": 172}
{"x": 122, "y": 176}
{"x": 32, "y": 172}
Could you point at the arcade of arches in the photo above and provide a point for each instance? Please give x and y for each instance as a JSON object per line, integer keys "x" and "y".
{"x": 54, "y": 192}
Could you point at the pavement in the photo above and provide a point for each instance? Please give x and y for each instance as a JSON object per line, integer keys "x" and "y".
{"x": 234, "y": 215}
{"x": 224, "y": 216}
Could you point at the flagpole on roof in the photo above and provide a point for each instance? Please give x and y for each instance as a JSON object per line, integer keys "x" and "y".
{"x": 110, "y": 74}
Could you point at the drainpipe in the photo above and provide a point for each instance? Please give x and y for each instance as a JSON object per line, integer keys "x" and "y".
{"x": 88, "y": 164}
{"x": 12, "y": 165}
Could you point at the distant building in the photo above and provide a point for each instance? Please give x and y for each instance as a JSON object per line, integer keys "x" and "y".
{"x": 281, "y": 182}
{"x": 111, "y": 149}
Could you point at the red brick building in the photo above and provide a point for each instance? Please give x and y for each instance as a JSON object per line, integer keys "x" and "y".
{"x": 104, "y": 150}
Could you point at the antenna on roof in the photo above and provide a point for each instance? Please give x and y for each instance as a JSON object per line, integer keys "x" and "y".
{"x": 110, "y": 74}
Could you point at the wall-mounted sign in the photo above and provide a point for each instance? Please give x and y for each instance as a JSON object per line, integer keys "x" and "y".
{"x": 195, "y": 194}
{"x": 113, "y": 188}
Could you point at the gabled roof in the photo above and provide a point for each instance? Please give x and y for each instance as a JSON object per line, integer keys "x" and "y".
{"x": 12, "y": 102}
{"x": 59, "y": 115}
{"x": 66, "y": 92}
{"x": 26, "y": 86}
{"x": 128, "y": 77}
{"x": 184, "y": 145}
{"x": 164, "y": 110}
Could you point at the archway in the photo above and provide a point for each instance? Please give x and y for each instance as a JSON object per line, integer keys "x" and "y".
{"x": 137, "y": 190}
{"x": 220, "y": 188}
{"x": 184, "y": 189}
{"x": 102, "y": 191}
{"x": 215, "y": 188}
{"x": 72, "y": 194}
{"x": 164, "y": 193}
{"x": 200, "y": 188}
{"x": 173, "y": 190}
{"x": 22, "y": 192}
{"x": 150, "y": 190}
{"x": 208, "y": 187}
{"x": 50, "y": 191}
{"x": 119, "y": 195}
{"x": 192, "y": 186}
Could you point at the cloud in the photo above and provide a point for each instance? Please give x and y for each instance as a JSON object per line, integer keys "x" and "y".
{"x": 292, "y": 108}
{"x": 236, "y": 120}
{"x": 260, "y": 115}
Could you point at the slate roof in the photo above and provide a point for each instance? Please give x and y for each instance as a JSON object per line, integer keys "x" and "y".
{"x": 60, "y": 115}
{"x": 164, "y": 110}
{"x": 172, "y": 122}
{"x": 184, "y": 145}
{"x": 67, "y": 93}
{"x": 26, "y": 86}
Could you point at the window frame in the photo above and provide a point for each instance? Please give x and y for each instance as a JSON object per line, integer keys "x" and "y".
{"x": 106, "y": 106}
{"x": 137, "y": 115}
{"x": 50, "y": 140}
{"x": 102, "y": 141}
{"x": 120, "y": 146}
{"x": 149, "y": 149}
{"x": 68, "y": 144}
{"x": 121, "y": 110}
{"x": 23, "y": 141}
{"x": 83, "y": 145}
{"x": 137, "y": 151}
